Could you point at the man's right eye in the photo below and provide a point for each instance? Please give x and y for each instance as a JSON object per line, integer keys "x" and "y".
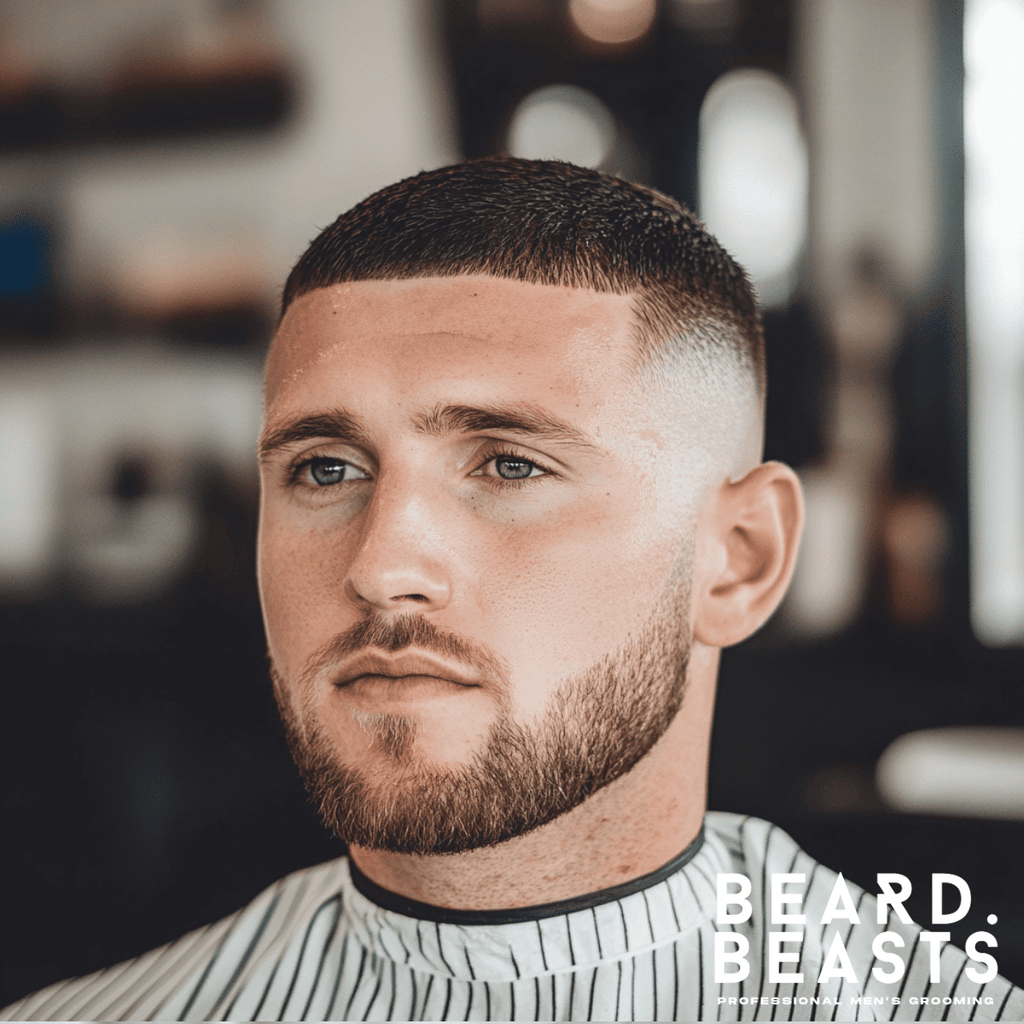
{"x": 324, "y": 472}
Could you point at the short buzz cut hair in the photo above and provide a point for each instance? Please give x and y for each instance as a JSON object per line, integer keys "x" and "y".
{"x": 549, "y": 222}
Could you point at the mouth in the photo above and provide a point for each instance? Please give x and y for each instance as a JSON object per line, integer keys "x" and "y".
{"x": 407, "y": 669}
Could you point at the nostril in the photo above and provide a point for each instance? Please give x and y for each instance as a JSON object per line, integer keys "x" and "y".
{"x": 410, "y": 597}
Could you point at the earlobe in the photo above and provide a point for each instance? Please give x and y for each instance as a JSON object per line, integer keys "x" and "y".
{"x": 746, "y": 553}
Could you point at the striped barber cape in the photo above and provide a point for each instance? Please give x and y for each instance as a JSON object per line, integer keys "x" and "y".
{"x": 327, "y": 944}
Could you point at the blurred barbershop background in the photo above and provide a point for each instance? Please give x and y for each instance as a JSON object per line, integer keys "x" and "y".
{"x": 164, "y": 162}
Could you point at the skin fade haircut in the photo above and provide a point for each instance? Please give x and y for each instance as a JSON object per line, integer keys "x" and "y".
{"x": 543, "y": 223}
{"x": 549, "y": 222}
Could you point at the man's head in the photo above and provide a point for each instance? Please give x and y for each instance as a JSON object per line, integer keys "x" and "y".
{"x": 512, "y": 420}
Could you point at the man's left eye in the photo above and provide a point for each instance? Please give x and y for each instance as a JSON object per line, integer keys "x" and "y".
{"x": 326, "y": 472}
{"x": 509, "y": 467}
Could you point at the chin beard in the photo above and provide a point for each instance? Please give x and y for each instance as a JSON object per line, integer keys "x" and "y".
{"x": 599, "y": 724}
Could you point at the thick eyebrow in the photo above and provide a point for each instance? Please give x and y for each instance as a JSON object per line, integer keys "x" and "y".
{"x": 336, "y": 425}
{"x": 521, "y": 418}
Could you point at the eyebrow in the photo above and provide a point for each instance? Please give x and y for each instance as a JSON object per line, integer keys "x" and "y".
{"x": 336, "y": 425}
{"x": 442, "y": 420}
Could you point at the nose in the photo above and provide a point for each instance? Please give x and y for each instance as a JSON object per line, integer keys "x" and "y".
{"x": 401, "y": 563}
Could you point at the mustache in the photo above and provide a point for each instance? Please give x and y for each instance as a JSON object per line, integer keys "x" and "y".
{"x": 399, "y": 633}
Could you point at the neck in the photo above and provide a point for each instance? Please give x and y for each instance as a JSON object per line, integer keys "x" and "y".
{"x": 627, "y": 829}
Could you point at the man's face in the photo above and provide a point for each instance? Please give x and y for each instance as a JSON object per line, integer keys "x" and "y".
{"x": 473, "y": 549}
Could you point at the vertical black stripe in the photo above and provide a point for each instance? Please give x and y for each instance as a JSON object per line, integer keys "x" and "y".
{"x": 129, "y": 1012}
{"x": 568, "y": 935}
{"x": 296, "y": 901}
{"x": 440, "y": 949}
{"x": 487, "y": 1001}
{"x": 554, "y": 1013}
{"x": 426, "y": 999}
{"x": 300, "y": 958}
{"x": 206, "y": 972}
{"x": 337, "y": 977}
{"x": 253, "y": 942}
{"x": 412, "y": 1003}
{"x": 654, "y": 981}
{"x": 512, "y": 999}
{"x": 632, "y": 988}
{"x": 515, "y": 964}
{"x": 469, "y": 963}
{"x": 647, "y": 908}
{"x": 700, "y": 979}
{"x": 625, "y": 927}
{"x": 590, "y": 1005}
{"x": 536, "y": 998}
{"x": 597, "y": 933}
{"x": 572, "y": 994}
{"x": 266, "y": 991}
{"x": 323, "y": 959}
{"x": 355, "y": 986}
{"x": 405, "y": 948}
{"x": 543, "y": 951}
{"x": 672, "y": 902}
{"x": 376, "y": 966}
{"x": 618, "y": 989}
{"x": 469, "y": 1004}
{"x": 149, "y": 972}
{"x": 447, "y": 999}
{"x": 974, "y": 1009}
{"x": 1002, "y": 1005}
{"x": 394, "y": 991}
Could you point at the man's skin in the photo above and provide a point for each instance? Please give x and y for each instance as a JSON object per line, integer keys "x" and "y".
{"x": 547, "y": 574}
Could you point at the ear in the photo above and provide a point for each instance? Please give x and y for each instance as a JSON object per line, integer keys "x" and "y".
{"x": 746, "y": 550}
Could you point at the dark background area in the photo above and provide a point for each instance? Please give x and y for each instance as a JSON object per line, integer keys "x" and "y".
{"x": 147, "y": 787}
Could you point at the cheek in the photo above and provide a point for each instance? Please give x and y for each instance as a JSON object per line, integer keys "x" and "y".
{"x": 300, "y": 607}
{"x": 557, "y": 597}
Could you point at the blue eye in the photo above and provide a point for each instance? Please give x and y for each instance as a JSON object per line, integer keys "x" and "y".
{"x": 509, "y": 468}
{"x": 326, "y": 472}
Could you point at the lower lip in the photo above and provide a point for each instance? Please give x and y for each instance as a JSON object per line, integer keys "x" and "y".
{"x": 403, "y": 689}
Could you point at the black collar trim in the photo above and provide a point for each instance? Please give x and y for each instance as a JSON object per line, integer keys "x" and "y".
{"x": 444, "y": 915}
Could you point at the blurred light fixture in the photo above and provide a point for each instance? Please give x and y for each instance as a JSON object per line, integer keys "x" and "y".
{"x": 753, "y": 177}
{"x": 975, "y": 772}
{"x": 705, "y": 17}
{"x": 613, "y": 22}
{"x": 994, "y": 236}
{"x": 562, "y": 122}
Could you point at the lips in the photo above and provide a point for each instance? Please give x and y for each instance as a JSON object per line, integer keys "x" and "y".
{"x": 374, "y": 663}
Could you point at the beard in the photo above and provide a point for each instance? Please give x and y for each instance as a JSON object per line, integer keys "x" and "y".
{"x": 598, "y": 725}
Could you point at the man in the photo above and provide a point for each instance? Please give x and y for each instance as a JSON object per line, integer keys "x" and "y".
{"x": 512, "y": 508}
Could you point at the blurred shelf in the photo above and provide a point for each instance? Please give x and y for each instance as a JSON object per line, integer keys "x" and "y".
{"x": 148, "y": 105}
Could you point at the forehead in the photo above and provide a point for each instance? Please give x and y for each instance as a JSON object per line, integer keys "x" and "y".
{"x": 504, "y": 339}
